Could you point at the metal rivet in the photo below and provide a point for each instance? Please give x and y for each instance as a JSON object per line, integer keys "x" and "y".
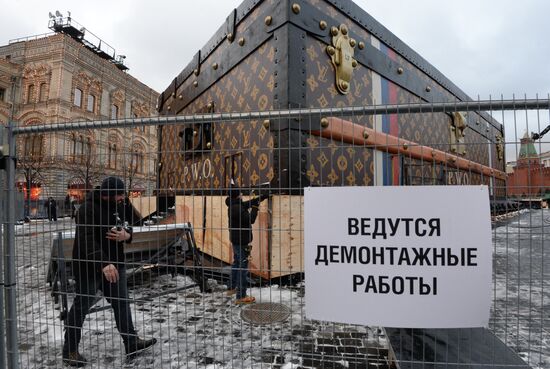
{"x": 352, "y": 42}
{"x": 361, "y": 45}
{"x": 477, "y": 122}
{"x": 296, "y": 8}
{"x": 215, "y": 66}
{"x": 322, "y": 25}
{"x": 487, "y": 129}
{"x": 195, "y": 83}
{"x": 324, "y": 122}
{"x": 344, "y": 85}
{"x": 268, "y": 20}
{"x": 331, "y": 50}
{"x": 399, "y": 70}
{"x": 196, "y": 72}
{"x": 344, "y": 29}
{"x": 230, "y": 37}
{"x": 433, "y": 153}
{"x": 266, "y": 123}
{"x": 169, "y": 108}
{"x": 195, "y": 133}
{"x": 208, "y": 145}
{"x": 209, "y": 106}
{"x": 173, "y": 94}
{"x": 365, "y": 134}
{"x": 180, "y": 97}
{"x": 428, "y": 88}
{"x": 241, "y": 41}
{"x": 334, "y": 31}
{"x": 405, "y": 146}
{"x": 354, "y": 63}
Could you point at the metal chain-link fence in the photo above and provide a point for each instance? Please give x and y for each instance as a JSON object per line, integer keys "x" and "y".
{"x": 166, "y": 273}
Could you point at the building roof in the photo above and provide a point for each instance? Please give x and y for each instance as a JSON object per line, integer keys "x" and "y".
{"x": 527, "y": 149}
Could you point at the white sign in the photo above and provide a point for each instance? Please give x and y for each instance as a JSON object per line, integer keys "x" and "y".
{"x": 410, "y": 257}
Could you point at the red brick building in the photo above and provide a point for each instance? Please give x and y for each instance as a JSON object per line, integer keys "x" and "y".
{"x": 530, "y": 179}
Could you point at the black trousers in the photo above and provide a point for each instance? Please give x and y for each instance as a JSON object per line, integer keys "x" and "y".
{"x": 86, "y": 289}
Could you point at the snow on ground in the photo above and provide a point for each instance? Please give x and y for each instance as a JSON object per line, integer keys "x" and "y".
{"x": 194, "y": 330}
{"x": 198, "y": 330}
{"x": 521, "y": 308}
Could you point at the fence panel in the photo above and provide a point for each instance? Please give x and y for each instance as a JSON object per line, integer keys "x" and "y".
{"x": 175, "y": 281}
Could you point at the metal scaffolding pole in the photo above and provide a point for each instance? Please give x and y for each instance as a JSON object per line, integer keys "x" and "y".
{"x": 9, "y": 257}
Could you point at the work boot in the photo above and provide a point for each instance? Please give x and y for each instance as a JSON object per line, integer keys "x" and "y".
{"x": 245, "y": 300}
{"x": 231, "y": 292}
{"x": 135, "y": 346}
{"x": 74, "y": 359}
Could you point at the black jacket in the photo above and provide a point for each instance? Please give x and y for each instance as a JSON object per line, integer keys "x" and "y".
{"x": 242, "y": 214}
{"x": 92, "y": 251}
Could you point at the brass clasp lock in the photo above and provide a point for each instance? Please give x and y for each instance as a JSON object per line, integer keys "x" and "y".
{"x": 457, "y": 135}
{"x": 499, "y": 146}
{"x": 341, "y": 55}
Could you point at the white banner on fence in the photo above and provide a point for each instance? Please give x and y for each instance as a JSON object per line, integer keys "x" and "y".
{"x": 411, "y": 257}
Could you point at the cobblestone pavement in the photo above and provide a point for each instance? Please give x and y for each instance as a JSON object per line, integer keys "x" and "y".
{"x": 194, "y": 330}
{"x": 198, "y": 330}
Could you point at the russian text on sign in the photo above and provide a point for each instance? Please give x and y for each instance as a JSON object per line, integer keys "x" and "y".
{"x": 413, "y": 256}
{"x": 420, "y": 227}
{"x": 397, "y": 285}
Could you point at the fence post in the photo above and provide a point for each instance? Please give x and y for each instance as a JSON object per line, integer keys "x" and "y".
{"x": 2, "y": 319}
{"x": 3, "y": 207}
{"x": 9, "y": 251}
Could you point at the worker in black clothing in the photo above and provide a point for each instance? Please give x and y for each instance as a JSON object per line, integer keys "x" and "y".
{"x": 98, "y": 264}
{"x": 242, "y": 214}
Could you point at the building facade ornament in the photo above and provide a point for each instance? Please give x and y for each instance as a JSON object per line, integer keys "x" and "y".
{"x": 140, "y": 109}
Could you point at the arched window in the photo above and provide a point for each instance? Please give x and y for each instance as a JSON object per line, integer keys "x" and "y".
{"x": 43, "y": 92}
{"x": 37, "y": 145}
{"x": 81, "y": 148}
{"x": 137, "y": 161}
{"x": 32, "y": 146}
{"x": 91, "y": 103}
{"x": 137, "y": 158}
{"x": 73, "y": 145}
{"x": 87, "y": 150}
{"x": 79, "y": 145}
{"x": 114, "y": 111}
{"x": 112, "y": 156}
{"x": 30, "y": 94}
{"x": 78, "y": 97}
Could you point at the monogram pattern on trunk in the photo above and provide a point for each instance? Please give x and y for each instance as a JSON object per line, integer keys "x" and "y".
{"x": 245, "y": 148}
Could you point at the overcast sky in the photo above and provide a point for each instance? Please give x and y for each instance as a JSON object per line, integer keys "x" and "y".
{"x": 486, "y": 47}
